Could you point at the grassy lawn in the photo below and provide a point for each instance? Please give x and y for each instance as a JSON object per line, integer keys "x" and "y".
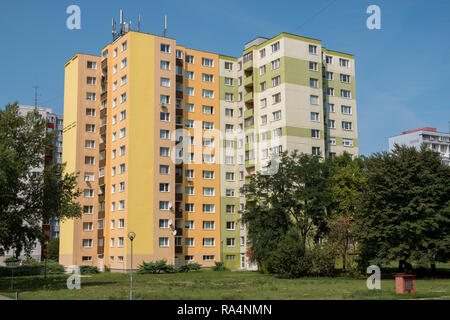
{"x": 207, "y": 284}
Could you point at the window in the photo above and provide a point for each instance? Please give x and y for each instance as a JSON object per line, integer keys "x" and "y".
{"x": 87, "y": 243}
{"x": 115, "y": 69}
{"x": 228, "y": 65}
{"x": 189, "y": 107}
{"x": 91, "y": 96}
{"x": 263, "y": 103}
{"x": 189, "y": 91}
{"x": 164, "y": 99}
{"x": 207, "y": 62}
{"x": 122, "y": 133}
{"x": 332, "y": 141}
{"x": 89, "y": 144}
{"x": 263, "y": 120}
{"x": 165, "y": 65}
{"x": 90, "y": 112}
{"x": 229, "y": 192}
{"x": 123, "y": 97}
{"x": 189, "y": 207}
{"x": 316, "y": 151}
{"x": 228, "y": 81}
{"x": 189, "y": 123}
{"x": 207, "y": 109}
{"x": 312, "y": 49}
{"x": 330, "y": 107}
{"x": 89, "y": 160}
{"x": 229, "y": 176}
{"x": 208, "y": 142}
{"x": 344, "y": 63}
{"x": 228, "y": 97}
{"x": 88, "y": 226}
{"x": 163, "y": 187}
{"x": 329, "y": 59}
{"x": 91, "y": 80}
{"x": 264, "y": 153}
{"x": 122, "y": 168}
{"x": 208, "y": 258}
{"x": 276, "y": 115}
{"x": 208, "y": 225}
{"x": 123, "y": 63}
{"x": 331, "y": 124}
{"x": 229, "y": 112}
{"x": 230, "y": 208}
{"x": 207, "y": 93}
{"x": 329, "y": 75}
{"x": 189, "y": 59}
{"x": 189, "y": 191}
{"x": 121, "y": 204}
{"x": 347, "y": 142}
{"x": 163, "y": 223}
{"x": 313, "y": 66}
{"x": 164, "y": 134}
{"x": 189, "y": 242}
{"x": 88, "y": 209}
{"x": 164, "y": 205}
{"x": 314, "y": 100}
{"x": 164, "y": 116}
{"x": 189, "y": 258}
{"x": 313, "y": 83}
{"x": 230, "y": 242}
{"x": 346, "y": 109}
{"x": 115, "y": 86}
{"x": 347, "y": 94}
{"x": 209, "y": 208}
{"x": 346, "y": 125}
{"x": 262, "y": 53}
{"x": 164, "y": 152}
{"x": 163, "y": 242}
{"x": 123, "y": 46}
{"x": 207, "y": 174}
{"x": 345, "y": 78}
{"x": 189, "y": 224}
{"x": 120, "y": 242}
{"x": 208, "y": 191}
{"x": 179, "y": 54}
{"x": 165, "y": 82}
{"x": 122, "y": 187}
{"x": 229, "y": 144}
{"x": 208, "y": 242}
{"x": 314, "y": 116}
{"x": 275, "y": 64}
{"x": 165, "y": 48}
{"x": 206, "y": 125}
{"x": 189, "y": 75}
{"x": 92, "y": 65}
{"x": 315, "y": 134}
{"x": 262, "y": 70}
{"x": 123, "y": 80}
{"x": 275, "y": 47}
{"x": 113, "y": 208}
{"x": 330, "y": 91}
{"x": 276, "y": 81}
{"x": 163, "y": 169}
{"x": 263, "y": 86}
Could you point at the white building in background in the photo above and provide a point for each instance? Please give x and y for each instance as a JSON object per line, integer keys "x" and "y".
{"x": 54, "y": 123}
{"x": 434, "y": 140}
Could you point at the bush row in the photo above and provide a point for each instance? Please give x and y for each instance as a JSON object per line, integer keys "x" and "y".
{"x": 33, "y": 269}
{"x": 161, "y": 266}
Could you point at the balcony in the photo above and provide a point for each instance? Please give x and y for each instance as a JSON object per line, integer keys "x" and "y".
{"x": 248, "y": 97}
{"x": 250, "y": 163}
{"x": 248, "y": 113}
{"x": 248, "y": 65}
{"x": 248, "y": 81}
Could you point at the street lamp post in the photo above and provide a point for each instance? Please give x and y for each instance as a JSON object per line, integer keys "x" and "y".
{"x": 131, "y": 236}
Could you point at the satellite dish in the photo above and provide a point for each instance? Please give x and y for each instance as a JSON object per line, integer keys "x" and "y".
{"x": 174, "y": 232}
{"x": 170, "y": 221}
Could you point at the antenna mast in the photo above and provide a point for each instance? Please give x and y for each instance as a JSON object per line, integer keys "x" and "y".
{"x": 35, "y": 96}
{"x": 165, "y": 25}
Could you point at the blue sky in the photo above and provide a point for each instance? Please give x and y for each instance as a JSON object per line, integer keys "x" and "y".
{"x": 401, "y": 70}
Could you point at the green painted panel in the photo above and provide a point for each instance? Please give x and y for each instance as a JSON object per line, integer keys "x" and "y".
{"x": 248, "y": 65}
{"x": 248, "y": 96}
{"x": 227, "y": 89}
{"x": 224, "y": 233}
{"x": 248, "y": 113}
{"x": 299, "y": 132}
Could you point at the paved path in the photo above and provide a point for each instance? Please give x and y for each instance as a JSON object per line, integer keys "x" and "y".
{"x": 4, "y": 298}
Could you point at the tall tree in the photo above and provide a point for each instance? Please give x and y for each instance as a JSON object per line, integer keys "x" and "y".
{"x": 405, "y": 208}
{"x": 30, "y": 189}
{"x": 347, "y": 180}
{"x": 294, "y": 197}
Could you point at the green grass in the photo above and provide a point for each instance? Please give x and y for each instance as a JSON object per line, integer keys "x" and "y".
{"x": 207, "y": 284}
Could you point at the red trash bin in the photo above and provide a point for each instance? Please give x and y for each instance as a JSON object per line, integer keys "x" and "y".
{"x": 405, "y": 283}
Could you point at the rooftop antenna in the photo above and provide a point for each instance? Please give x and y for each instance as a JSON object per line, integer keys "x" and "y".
{"x": 165, "y": 25}
{"x": 35, "y": 96}
{"x": 139, "y": 23}
{"x": 114, "y": 32}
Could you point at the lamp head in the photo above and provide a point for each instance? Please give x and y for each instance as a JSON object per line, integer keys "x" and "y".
{"x": 131, "y": 235}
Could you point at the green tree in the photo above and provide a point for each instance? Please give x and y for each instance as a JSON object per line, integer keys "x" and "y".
{"x": 347, "y": 180}
{"x": 295, "y": 196}
{"x": 405, "y": 208}
{"x": 31, "y": 190}
{"x": 52, "y": 249}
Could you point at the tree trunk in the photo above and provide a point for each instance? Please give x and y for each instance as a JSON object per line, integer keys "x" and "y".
{"x": 344, "y": 262}
{"x": 404, "y": 266}
{"x": 433, "y": 268}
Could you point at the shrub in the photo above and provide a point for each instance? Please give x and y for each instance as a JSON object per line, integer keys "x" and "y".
{"x": 291, "y": 259}
{"x": 189, "y": 267}
{"x": 219, "y": 266}
{"x": 11, "y": 259}
{"x": 53, "y": 267}
{"x": 52, "y": 249}
{"x": 27, "y": 270}
{"x": 89, "y": 270}
{"x": 323, "y": 260}
{"x": 155, "y": 267}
